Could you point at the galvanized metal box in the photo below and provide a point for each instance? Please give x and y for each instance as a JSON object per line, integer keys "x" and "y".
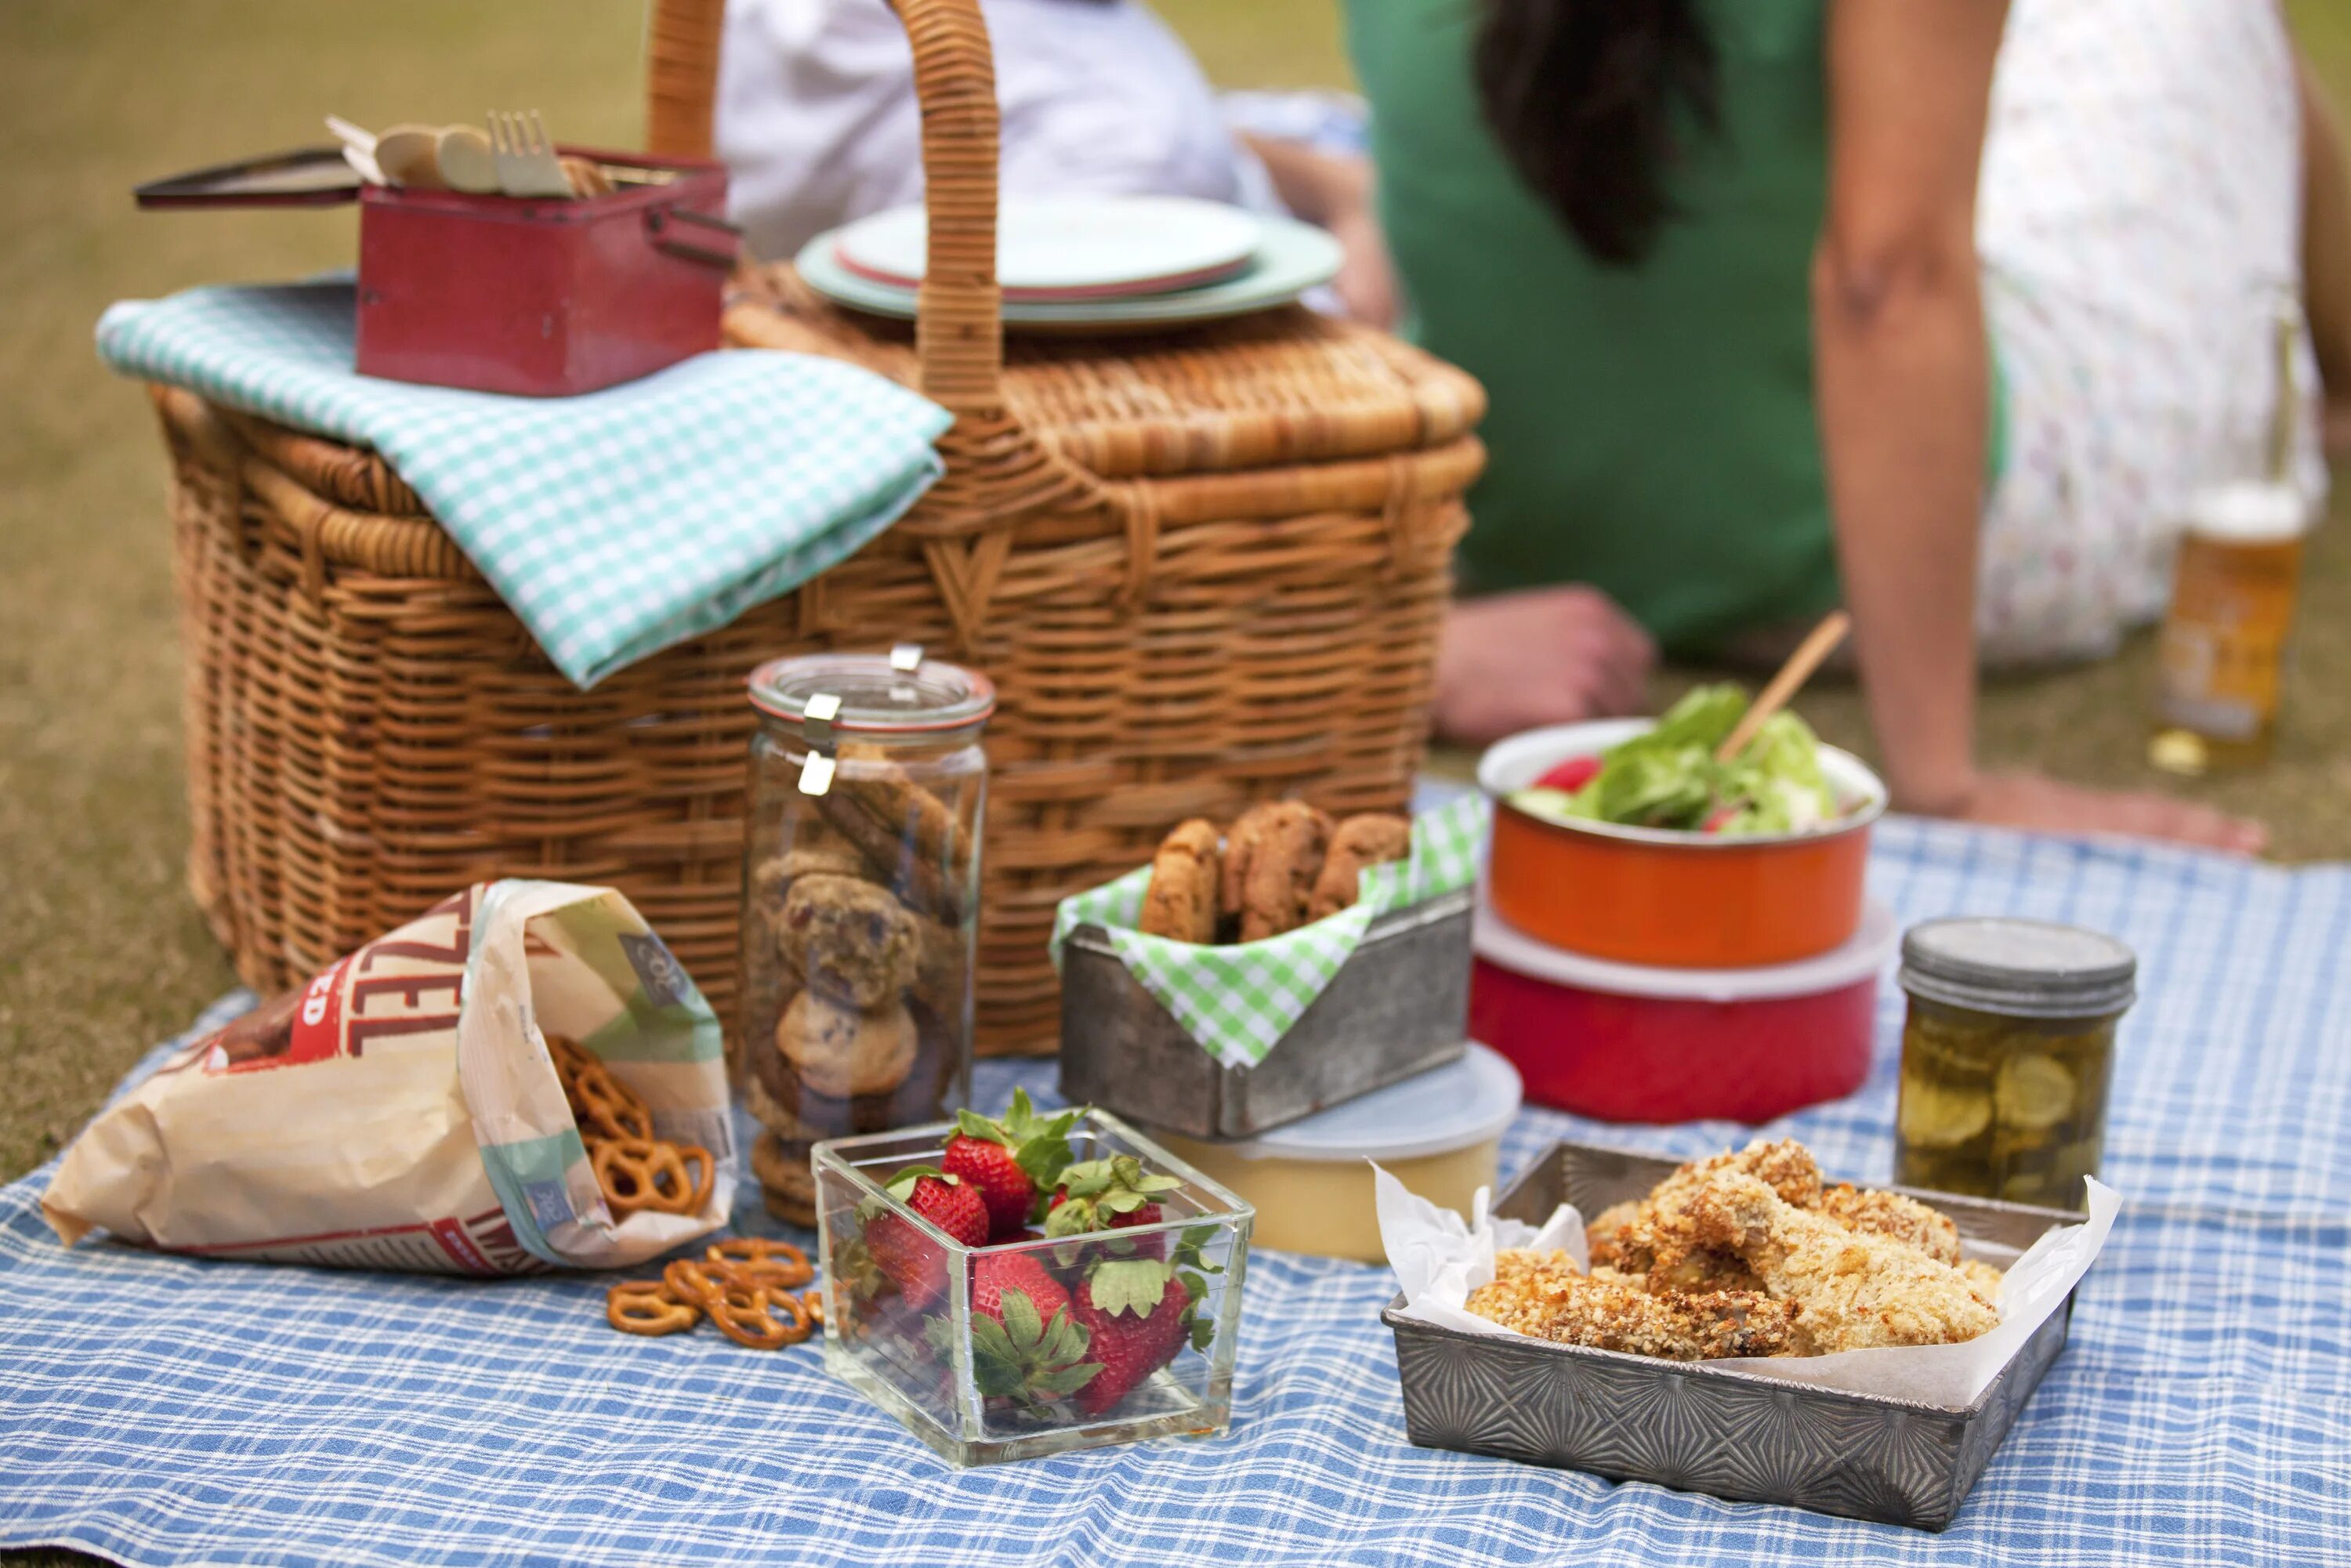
{"x": 1399, "y": 1005}
{"x": 1712, "y": 1429}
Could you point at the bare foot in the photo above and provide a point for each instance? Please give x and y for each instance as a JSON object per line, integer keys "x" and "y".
{"x": 2029, "y": 800}
{"x": 1549, "y": 656}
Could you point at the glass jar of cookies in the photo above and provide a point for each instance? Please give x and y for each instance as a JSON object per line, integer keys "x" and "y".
{"x": 2007, "y": 1053}
{"x": 861, "y": 903}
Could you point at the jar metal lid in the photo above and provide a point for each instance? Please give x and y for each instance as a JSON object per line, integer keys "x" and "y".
{"x": 878, "y": 695}
{"x": 2025, "y": 968}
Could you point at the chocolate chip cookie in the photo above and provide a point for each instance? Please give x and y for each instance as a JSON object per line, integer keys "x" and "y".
{"x": 1182, "y": 902}
{"x": 1272, "y": 856}
{"x": 848, "y": 938}
{"x": 842, "y": 1053}
{"x": 1375, "y": 838}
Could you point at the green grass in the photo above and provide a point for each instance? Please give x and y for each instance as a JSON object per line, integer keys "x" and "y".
{"x": 103, "y": 952}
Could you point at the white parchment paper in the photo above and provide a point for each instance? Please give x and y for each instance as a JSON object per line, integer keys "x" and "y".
{"x": 1440, "y": 1258}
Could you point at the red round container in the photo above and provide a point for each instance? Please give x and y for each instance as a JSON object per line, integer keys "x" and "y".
{"x": 1626, "y": 1042}
{"x": 1650, "y": 896}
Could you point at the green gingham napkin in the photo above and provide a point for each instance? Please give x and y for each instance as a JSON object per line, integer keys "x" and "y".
{"x": 1237, "y": 1001}
{"x": 615, "y": 524}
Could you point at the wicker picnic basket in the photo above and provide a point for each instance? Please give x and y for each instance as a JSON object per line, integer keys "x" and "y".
{"x": 1203, "y": 568}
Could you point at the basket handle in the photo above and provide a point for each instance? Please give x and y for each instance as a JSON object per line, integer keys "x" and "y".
{"x": 959, "y": 321}
{"x": 958, "y": 324}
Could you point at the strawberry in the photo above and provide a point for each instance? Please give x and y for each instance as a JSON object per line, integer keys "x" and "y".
{"x": 1570, "y": 774}
{"x": 995, "y": 1274}
{"x": 1136, "y": 1314}
{"x": 901, "y": 1251}
{"x": 1110, "y": 1194}
{"x": 1009, "y": 1160}
{"x": 1025, "y": 1346}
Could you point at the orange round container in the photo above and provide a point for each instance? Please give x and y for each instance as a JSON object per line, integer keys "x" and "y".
{"x": 1649, "y": 895}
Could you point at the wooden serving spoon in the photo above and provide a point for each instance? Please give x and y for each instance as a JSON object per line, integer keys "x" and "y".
{"x": 1816, "y": 646}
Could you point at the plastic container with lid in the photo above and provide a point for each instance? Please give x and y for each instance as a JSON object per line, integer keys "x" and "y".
{"x": 2007, "y": 1053}
{"x": 861, "y": 894}
{"x": 1439, "y": 1133}
{"x": 1654, "y": 896}
{"x": 1631, "y": 1043}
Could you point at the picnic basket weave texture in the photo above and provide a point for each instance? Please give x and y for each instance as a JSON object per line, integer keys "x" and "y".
{"x": 1203, "y": 568}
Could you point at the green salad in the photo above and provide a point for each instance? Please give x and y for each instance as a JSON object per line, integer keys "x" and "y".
{"x": 1668, "y": 776}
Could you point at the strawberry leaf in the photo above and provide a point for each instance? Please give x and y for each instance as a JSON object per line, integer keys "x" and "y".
{"x": 1075, "y": 1218}
{"x": 1043, "y": 1157}
{"x": 972, "y": 1124}
{"x": 1123, "y": 1201}
{"x": 1064, "y": 1340}
{"x": 940, "y": 1333}
{"x": 1087, "y": 1178}
{"x": 1067, "y": 1380}
{"x": 1020, "y": 1318}
{"x": 902, "y": 1186}
{"x": 1194, "y": 1286}
{"x": 1203, "y": 1331}
{"x": 1134, "y": 1285}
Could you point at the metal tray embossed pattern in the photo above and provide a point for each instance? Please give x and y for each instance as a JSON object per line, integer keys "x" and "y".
{"x": 1399, "y": 1005}
{"x": 1713, "y": 1429}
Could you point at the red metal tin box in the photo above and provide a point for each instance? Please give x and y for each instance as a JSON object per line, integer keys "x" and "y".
{"x": 507, "y": 293}
{"x": 542, "y": 298}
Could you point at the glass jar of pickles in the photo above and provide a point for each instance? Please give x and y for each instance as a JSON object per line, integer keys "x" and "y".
{"x": 2006, "y": 1055}
{"x": 861, "y": 899}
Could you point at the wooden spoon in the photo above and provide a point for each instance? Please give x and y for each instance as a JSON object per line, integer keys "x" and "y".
{"x": 1818, "y": 645}
{"x": 462, "y": 153}
{"x": 405, "y": 155}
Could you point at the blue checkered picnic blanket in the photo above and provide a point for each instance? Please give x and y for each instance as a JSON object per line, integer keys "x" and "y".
{"x": 164, "y": 1410}
{"x": 615, "y": 524}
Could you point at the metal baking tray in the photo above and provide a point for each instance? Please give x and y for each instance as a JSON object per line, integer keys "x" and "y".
{"x": 1731, "y": 1434}
{"x": 1399, "y": 1005}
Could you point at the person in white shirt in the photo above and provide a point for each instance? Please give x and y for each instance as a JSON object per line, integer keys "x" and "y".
{"x": 817, "y": 125}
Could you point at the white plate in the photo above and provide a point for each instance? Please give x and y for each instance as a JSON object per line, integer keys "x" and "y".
{"x": 1291, "y": 257}
{"x": 1069, "y": 246}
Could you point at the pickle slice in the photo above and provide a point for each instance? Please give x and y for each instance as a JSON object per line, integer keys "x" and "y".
{"x": 2034, "y": 1092}
{"x": 1933, "y": 1116}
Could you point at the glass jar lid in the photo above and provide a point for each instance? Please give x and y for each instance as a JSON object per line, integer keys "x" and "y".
{"x": 881, "y": 694}
{"x": 2025, "y": 968}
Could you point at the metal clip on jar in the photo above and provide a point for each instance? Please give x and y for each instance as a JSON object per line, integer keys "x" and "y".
{"x": 2006, "y": 1056}
{"x": 860, "y": 902}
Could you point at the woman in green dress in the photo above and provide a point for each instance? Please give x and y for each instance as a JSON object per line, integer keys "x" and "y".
{"x": 1718, "y": 265}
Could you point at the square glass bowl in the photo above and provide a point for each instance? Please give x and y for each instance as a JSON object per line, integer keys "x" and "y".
{"x": 984, "y": 1352}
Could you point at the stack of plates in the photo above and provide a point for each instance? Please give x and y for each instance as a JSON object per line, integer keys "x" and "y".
{"x": 1090, "y": 263}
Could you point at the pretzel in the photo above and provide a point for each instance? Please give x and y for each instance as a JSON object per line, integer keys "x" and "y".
{"x": 646, "y": 1307}
{"x": 602, "y": 1103}
{"x": 606, "y": 1105}
{"x": 762, "y": 1262}
{"x": 741, "y": 1283}
{"x": 693, "y": 1281}
{"x": 742, "y": 1313}
{"x": 640, "y": 1172}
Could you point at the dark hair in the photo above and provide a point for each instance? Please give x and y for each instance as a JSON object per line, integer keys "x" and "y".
{"x": 1586, "y": 98}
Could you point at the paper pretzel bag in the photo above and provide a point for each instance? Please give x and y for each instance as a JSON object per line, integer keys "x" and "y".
{"x": 403, "y": 1111}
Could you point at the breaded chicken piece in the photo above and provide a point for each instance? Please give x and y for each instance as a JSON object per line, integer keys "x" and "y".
{"x": 1983, "y": 1276}
{"x": 1892, "y": 1215}
{"x": 1857, "y": 1290}
{"x": 1654, "y": 1240}
{"x": 1542, "y": 1294}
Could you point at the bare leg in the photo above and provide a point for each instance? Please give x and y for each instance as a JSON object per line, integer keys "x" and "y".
{"x": 2326, "y": 250}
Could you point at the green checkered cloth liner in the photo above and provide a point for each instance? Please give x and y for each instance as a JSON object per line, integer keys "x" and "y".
{"x": 1237, "y": 1001}
{"x": 615, "y": 524}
